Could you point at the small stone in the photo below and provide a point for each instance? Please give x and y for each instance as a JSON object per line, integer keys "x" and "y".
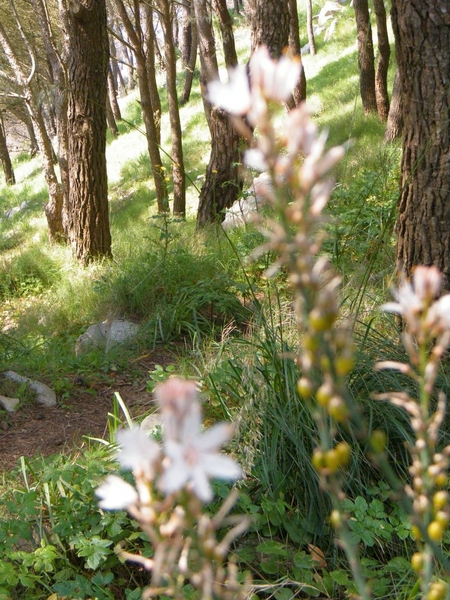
{"x": 9, "y": 404}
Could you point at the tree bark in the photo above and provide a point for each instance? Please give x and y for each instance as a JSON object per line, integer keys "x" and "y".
{"x": 422, "y": 42}
{"x": 87, "y": 80}
{"x": 54, "y": 206}
{"x": 170, "y": 63}
{"x": 151, "y": 121}
{"x": 5, "y": 158}
{"x": 384, "y": 49}
{"x": 222, "y": 183}
{"x": 394, "y": 124}
{"x": 299, "y": 93}
{"x": 366, "y": 58}
{"x": 185, "y": 34}
{"x": 190, "y": 68}
{"x": 270, "y": 25}
{"x": 112, "y": 93}
{"x": 310, "y": 28}
{"x": 226, "y": 30}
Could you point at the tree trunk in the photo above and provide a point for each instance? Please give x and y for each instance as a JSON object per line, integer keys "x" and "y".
{"x": 170, "y": 63}
{"x": 222, "y": 184}
{"x": 87, "y": 75}
{"x": 148, "y": 40}
{"x": 152, "y": 125}
{"x": 190, "y": 69}
{"x": 185, "y": 32}
{"x": 270, "y": 25}
{"x": 381, "y": 73}
{"x": 5, "y": 159}
{"x": 110, "y": 119}
{"x": 394, "y": 124}
{"x": 422, "y": 42}
{"x": 112, "y": 93}
{"x": 226, "y": 30}
{"x": 299, "y": 93}
{"x": 366, "y": 58}
{"x": 54, "y": 206}
{"x": 310, "y": 28}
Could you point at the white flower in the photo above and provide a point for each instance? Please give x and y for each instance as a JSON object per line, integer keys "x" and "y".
{"x": 274, "y": 79}
{"x": 234, "y": 96}
{"x": 138, "y": 452}
{"x": 179, "y": 404}
{"x": 439, "y": 313}
{"x": 116, "y": 494}
{"x": 255, "y": 159}
{"x": 195, "y": 460}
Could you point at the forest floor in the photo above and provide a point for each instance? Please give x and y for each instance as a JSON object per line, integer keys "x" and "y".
{"x": 35, "y": 430}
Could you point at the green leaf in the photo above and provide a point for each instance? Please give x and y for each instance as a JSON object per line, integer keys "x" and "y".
{"x": 272, "y": 547}
{"x": 284, "y": 594}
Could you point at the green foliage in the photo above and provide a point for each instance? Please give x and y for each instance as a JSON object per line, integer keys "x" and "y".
{"x": 54, "y": 539}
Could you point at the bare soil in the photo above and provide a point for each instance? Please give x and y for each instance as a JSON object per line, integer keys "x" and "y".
{"x": 35, "y": 430}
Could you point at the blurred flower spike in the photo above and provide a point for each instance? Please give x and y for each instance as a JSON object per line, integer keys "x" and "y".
{"x": 188, "y": 459}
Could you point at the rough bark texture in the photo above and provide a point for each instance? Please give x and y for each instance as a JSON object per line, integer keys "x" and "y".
{"x": 422, "y": 39}
{"x": 394, "y": 123}
{"x": 170, "y": 64}
{"x": 226, "y": 30}
{"x": 112, "y": 93}
{"x": 222, "y": 183}
{"x": 185, "y": 32}
{"x": 190, "y": 68}
{"x": 87, "y": 74}
{"x": 5, "y": 159}
{"x": 299, "y": 93}
{"x": 270, "y": 25}
{"x": 366, "y": 58}
{"x": 384, "y": 49}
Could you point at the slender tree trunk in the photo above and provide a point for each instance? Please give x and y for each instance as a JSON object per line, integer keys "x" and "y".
{"x": 222, "y": 184}
{"x": 112, "y": 93}
{"x": 54, "y": 206}
{"x": 226, "y": 30}
{"x": 152, "y": 125}
{"x": 381, "y": 73}
{"x": 190, "y": 69}
{"x": 110, "y": 119}
{"x": 170, "y": 63}
{"x": 59, "y": 97}
{"x": 185, "y": 32}
{"x": 299, "y": 93}
{"x": 5, "y": 158}
{"x": 149, "y": 45}
{"x": 422, "y": 42}
{"x": 87, "y": 79}
{"x": 310, "y": 28}
{"x": 366, "y": 58}
{"x": 394, "y": 124}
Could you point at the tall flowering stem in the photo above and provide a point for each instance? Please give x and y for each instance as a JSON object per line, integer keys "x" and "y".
{"x": 426, "y": 338}
{"x": 289, "y": 148}
{"x": 172, "y": 483}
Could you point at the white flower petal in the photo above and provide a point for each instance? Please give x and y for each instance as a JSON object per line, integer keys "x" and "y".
{"x": 214, "y": 437}
{"x": 221, "y": 467}
{"x": 234, "y": 96}
{"x": 200, "y": 485}
{"x": 138, "y": 451}
{"x": 116, "y": 494}
{"x": 255, "y": 159}
{"x": 174, "y": 477}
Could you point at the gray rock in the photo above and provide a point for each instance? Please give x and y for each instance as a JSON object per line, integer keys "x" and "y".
{"x": 105, "y": 335}
{"x": 151, "y": 422}
{"x": 44, "y": 395}
{"x": 9, "y": 404}
{"x": 257, "y": 195}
